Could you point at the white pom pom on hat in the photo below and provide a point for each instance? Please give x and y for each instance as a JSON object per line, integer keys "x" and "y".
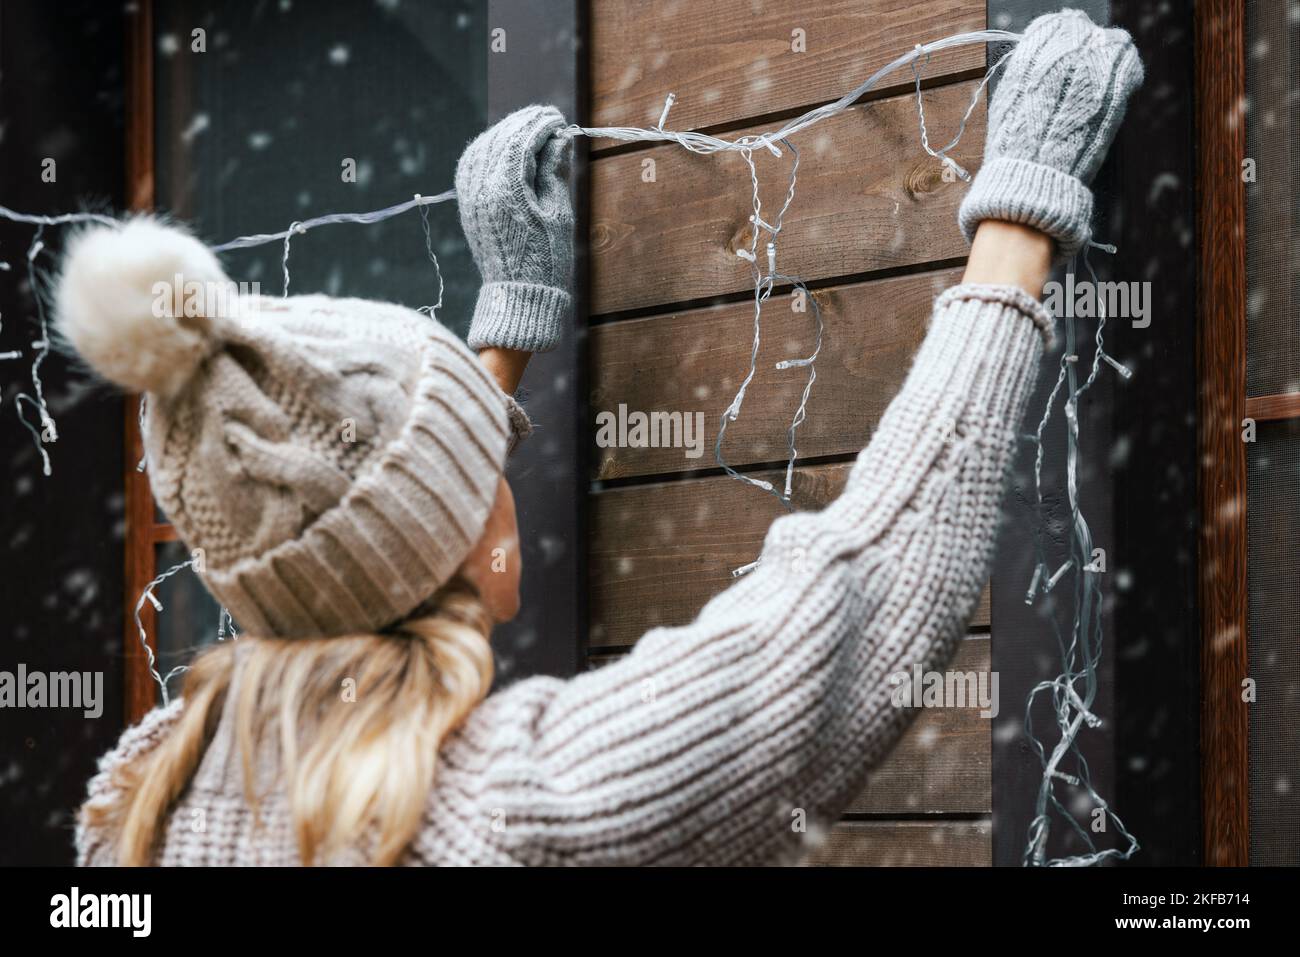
{"x": 126, "y": 302}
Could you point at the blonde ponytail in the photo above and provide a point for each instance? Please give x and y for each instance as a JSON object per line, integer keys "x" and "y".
{"x": 358, "y": 721}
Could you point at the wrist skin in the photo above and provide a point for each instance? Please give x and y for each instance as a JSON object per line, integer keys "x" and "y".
{"x": 506, "y": 365}
{"x": 1009, "y": 254}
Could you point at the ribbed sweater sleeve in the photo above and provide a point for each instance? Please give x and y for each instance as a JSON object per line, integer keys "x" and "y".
{"x": 712, "y": 742}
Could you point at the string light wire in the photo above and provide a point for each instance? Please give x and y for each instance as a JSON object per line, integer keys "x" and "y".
{"x": 151, "y": 658}
{"x": 1080, "y": 655}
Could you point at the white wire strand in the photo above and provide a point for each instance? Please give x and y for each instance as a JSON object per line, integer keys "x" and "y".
{"x": 41, "y": 348}
{"x": 147, "y": 595}
{"x": 704, "y": 143}
{"x": 1081, "y": 654}
{"x": 764, "y": 284}
{"x": 298, "y": 228}
{"x": 433, "y": 258}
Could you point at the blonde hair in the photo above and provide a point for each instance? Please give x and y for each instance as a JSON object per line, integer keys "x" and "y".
{"x": 345, "y": 765}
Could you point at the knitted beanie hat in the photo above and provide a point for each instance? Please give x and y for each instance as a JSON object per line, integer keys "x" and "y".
{"x": 331, "y": 461}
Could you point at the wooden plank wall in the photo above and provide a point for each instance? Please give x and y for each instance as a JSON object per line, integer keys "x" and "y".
{"x": 872, "y": 229}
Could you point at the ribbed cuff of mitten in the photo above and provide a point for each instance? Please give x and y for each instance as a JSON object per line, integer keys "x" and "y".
{"x": 1022, "y": 191}
{"x": 519, "y": 315}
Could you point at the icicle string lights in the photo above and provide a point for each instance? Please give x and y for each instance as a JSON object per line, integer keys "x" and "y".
{"x": 692, "y": 141}
{"x": 148, "y": 595}
{"x": 1079, "y": 656}
{"x": 298, "y": 228}
{"x": 942, "y": 154}
{"x": 764, "y": 284}
{"x": 704, "y": 143}
{"x": 1081, "y": 653}
{"x": 433, "y": 258}
{"x": 47, "y": 432}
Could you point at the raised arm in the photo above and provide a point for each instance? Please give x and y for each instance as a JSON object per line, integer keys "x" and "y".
{"x": 709, "y": 742}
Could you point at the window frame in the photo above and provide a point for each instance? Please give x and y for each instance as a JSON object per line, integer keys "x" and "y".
{"x": 1221, "y": 358}
{"x": 143, "y": 533}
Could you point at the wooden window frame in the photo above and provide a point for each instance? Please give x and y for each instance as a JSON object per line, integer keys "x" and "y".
{"x": 1221, "y": 359}
{"x": 143, "y": 533}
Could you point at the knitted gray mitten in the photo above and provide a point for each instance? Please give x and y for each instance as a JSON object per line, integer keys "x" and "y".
{"x": 512, "y": 189}
{"x": 1054, "y": 115}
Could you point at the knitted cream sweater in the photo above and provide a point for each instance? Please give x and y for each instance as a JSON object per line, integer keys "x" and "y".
{"x": 707, "y": 741}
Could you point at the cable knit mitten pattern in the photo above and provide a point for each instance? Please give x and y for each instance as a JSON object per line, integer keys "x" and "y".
{"x": 513, "y": 193}
{"x": 1054, "y": 115}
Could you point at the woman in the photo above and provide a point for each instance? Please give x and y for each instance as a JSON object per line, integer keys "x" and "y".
{"x": 350, "y": 725}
